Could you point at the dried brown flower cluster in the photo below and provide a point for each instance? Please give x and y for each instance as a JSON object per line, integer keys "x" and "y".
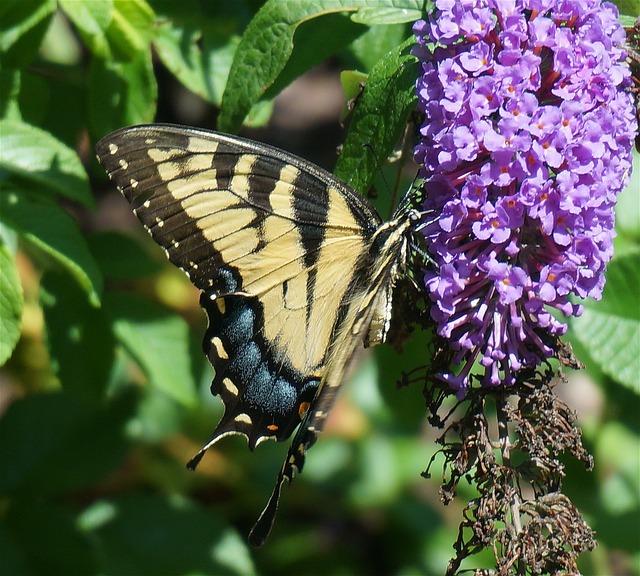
{"x": 507, "y": 443}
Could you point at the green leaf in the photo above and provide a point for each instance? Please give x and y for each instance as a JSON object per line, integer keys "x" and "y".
{"x": 267, "y": 44}
{"x": 131, "y": 28}
{"x": 79, "y": 338}
{"x": 379, "y": 118}
{"x": 610, "y": 329}
{"x": 203, "y": 71}
{"x": 379, "y": 482}
{"x": 159, "y": 342}
{"x": 629, "y": 10}
{"x": 108, "y": 249}
{"x": 91, "y": 18}
{"x": 146, "y": 534}
{"x": 179, "y": 50}
{"x": 34, "y": 105}
{"x": 158, "y": 419}
{"x": 52, "y": 231}
{"x": 387, "y": 15}
{"x": 9, "y": 92}
{"x": 197, "y": 41}
{"x": 617, "y": 453}
{"x": 416, "y": 351}
{"x": 376, "y": 42}
{"x": 121, "y": 93}
{"x": 310, "y": 46}
{"x": 628, "y": 206}
{"x": 353, "y": 83}
{"x": 52, "y": 444}
{"x": 42, "y": 160}
{"x": 11, "y": 304}
{"x": 22, "y": 28}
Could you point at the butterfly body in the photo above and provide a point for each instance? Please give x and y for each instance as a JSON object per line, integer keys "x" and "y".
{"x": 296, "y": 270}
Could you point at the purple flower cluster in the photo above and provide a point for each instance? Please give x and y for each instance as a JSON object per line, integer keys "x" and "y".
{"x": 525, "y": 145}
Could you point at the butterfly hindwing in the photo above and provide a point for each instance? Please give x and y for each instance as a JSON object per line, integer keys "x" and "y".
{"x": 262, "y": 399}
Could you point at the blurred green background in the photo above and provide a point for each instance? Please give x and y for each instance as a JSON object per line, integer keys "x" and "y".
{"x": 104, "y": 391}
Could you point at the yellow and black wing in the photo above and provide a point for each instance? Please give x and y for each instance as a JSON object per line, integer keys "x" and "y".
{"x": 295, "y": 269}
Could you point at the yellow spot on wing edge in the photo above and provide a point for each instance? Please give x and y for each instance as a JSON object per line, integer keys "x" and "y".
{"x": 230, "y": 386}
{"x": 222, "y": 354}
{"x": 244, "y": 419}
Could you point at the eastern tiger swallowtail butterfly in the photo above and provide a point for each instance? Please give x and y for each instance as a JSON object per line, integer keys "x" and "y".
{"x": 295, "y": 269}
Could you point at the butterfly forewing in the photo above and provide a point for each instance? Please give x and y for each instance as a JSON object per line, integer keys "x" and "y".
{"x": 290, "y": 262}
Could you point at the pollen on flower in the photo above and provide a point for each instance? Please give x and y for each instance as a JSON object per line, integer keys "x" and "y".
{"x": 526, "y": 142}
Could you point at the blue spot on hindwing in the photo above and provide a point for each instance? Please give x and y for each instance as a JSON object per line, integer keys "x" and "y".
{"x": 238, "y": 323}
{"x": 271, "y": 394}
{"x": 227, "y": 281}
{"x": 246, "y": 362}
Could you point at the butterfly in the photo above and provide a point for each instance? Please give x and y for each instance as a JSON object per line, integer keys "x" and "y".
{"x": 296, "y": 271}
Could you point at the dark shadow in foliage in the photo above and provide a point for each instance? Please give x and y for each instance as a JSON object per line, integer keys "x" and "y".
{"x": 51, "y": 444}
{"x": 151, "y": 535}
{"x": 41, "y": 537}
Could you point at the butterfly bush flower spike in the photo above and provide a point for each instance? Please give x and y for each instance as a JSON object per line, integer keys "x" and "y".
{"x": 525, "y": 145}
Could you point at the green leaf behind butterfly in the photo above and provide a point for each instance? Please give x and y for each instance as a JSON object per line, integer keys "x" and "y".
{"x": 52, "y": 444}
{"x": 22, "y": 28}
{"x": 39, "y": 158}
{"x": 79, "y": 339}
{"x": 628, "y": 209}
{"x": 131, "y": 28}
{"x": 610, "y": 329}
{"x": 59, "y": 548}
{"x": 121, "y": 93}
{"x": 267, "y": 44}
{"x": 376, "y": 42}
{"x": 387, "y": 15}
{"x": 158, "y": 340}
{"x": 50, "y": 230}
{"x": 91, "y": 19}
{"x": 147, "y": 534}
{"x": 196, "y": 41}
{"x": 202, "y": 69}
{"x": 310, "y": 46}
{"x": 9, "y": 92}
{"x": 379, "y": 118}
{"x": 108, "y": 248}
{"x": 11, "y": 304}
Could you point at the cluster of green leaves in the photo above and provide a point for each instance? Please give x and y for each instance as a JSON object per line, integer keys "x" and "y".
{"x": 104, "y": 388}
